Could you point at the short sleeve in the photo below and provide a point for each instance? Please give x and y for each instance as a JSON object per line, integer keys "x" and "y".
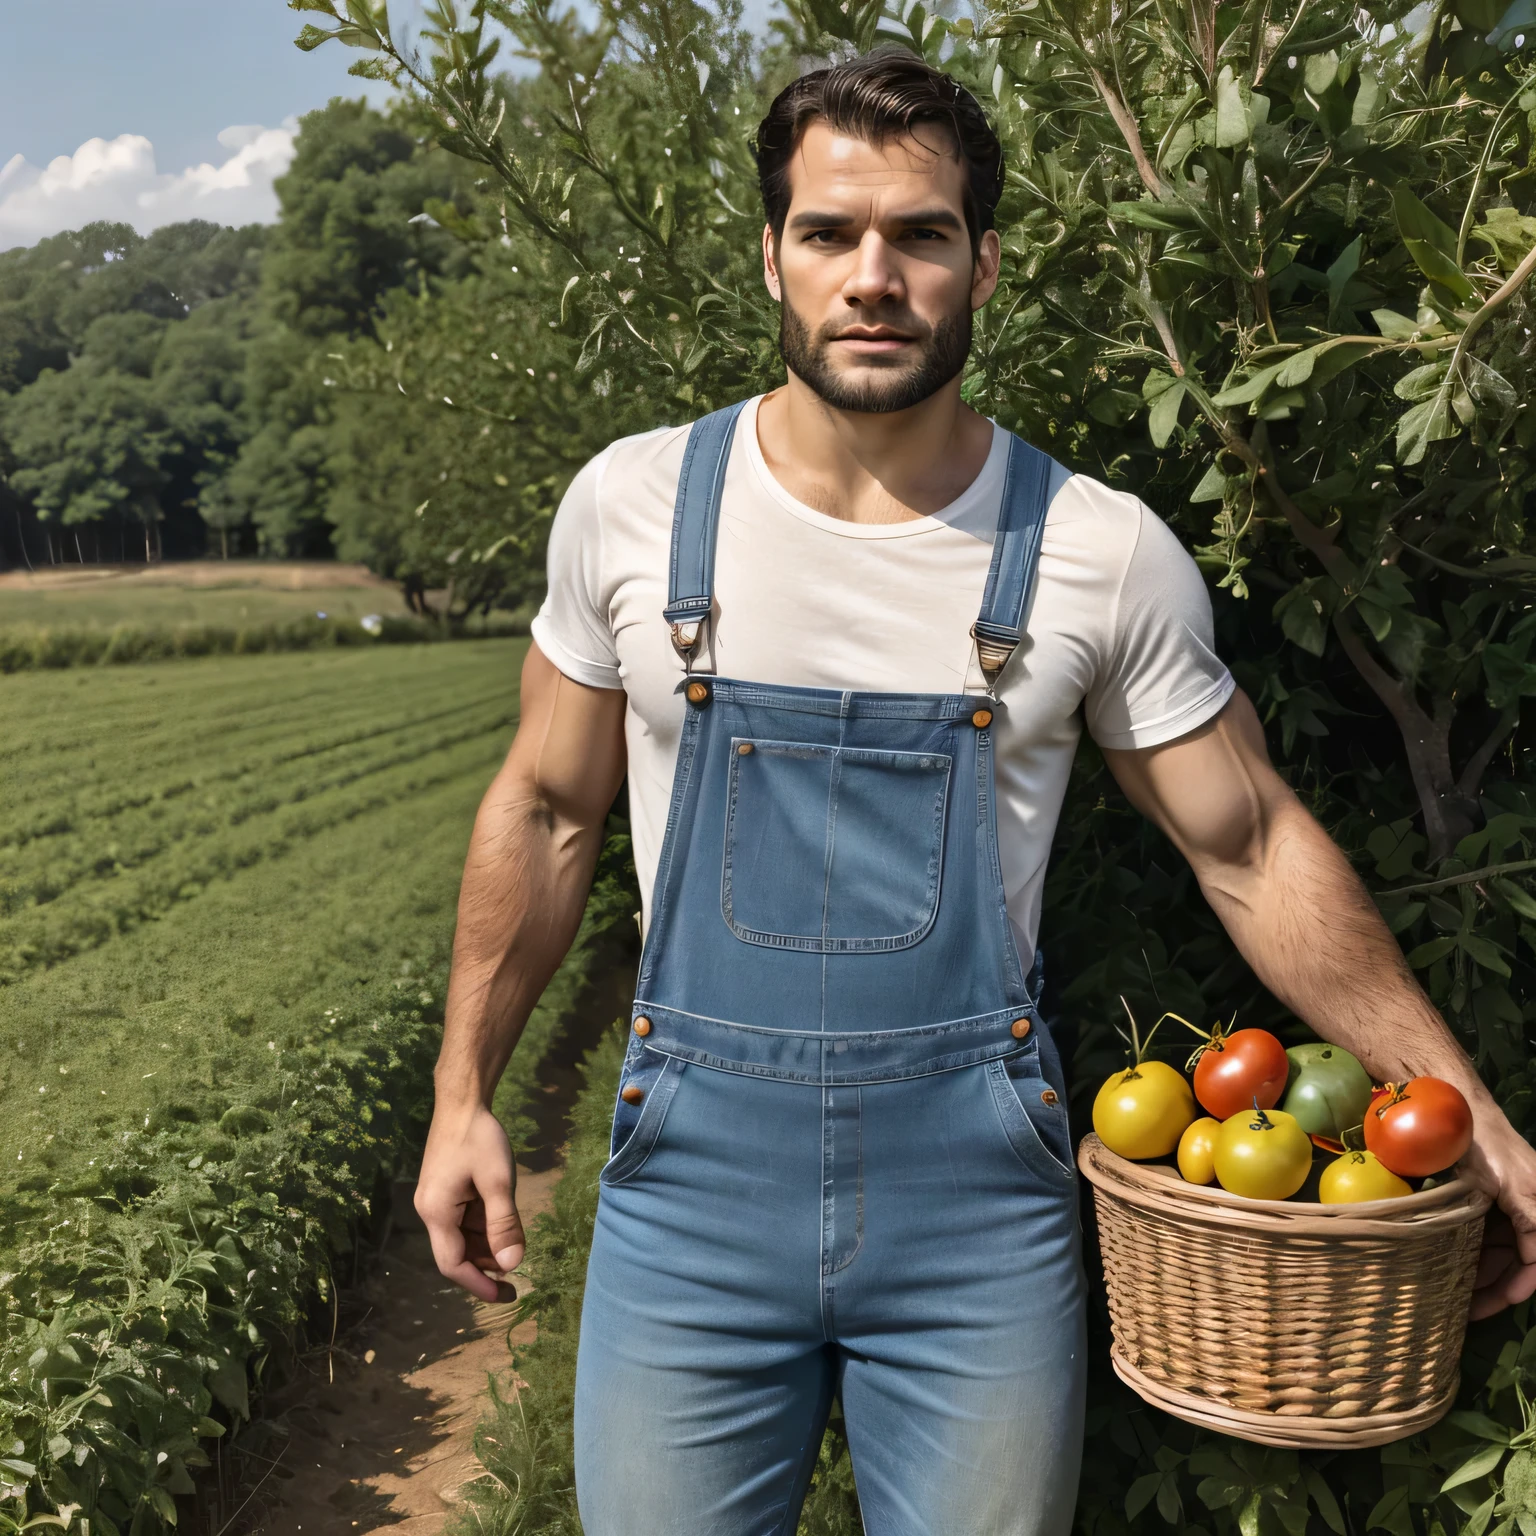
{"x": 572, "y": 627}
{"x": 1163, "y": 677}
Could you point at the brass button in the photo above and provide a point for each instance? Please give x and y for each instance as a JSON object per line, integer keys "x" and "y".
{"x": 698, "y": 693}
{"x": 982, "y": 719}
{"x": 1020, "y": 1028}
{"x": 642, "y": 1026}
{"x": 744, "y": 750}
{"x": 632, "y": 1095}
{"x": 1049, "y": 1096}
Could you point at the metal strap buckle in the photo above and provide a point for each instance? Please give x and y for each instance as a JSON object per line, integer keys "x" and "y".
{"x": 992, "y": 655}
{"x": 685, "y": 639}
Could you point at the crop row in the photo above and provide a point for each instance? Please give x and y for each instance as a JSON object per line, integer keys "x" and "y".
{"x": 101, "y": 745}
{"x": 44, "y": 869}
{"x": 45, "y": 935}
{"x": 51, "y": 647}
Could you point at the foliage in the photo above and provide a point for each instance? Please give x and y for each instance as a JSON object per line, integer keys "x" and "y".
{"x": 166, "y": 1232}
{"x": 1264, "y": 263}
{"x": 30, "y": 647}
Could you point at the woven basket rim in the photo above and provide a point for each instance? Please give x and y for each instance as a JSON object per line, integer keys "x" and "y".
{"x": 1151, "y": 1187}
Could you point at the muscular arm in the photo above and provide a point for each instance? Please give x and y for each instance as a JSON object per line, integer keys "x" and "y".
{"x": 1308, "y": 927}
{"x": 531, "y": 856}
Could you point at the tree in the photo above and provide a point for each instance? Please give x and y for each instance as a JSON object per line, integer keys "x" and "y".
{"x": 1267, "y": 264}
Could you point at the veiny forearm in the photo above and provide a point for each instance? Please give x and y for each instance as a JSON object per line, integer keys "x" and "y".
{"x": 1310, "y": 930}
{"x": 525, "y": 886}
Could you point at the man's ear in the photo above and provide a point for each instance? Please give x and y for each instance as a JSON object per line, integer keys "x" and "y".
{"x": 771, "y": 265}
{"x": 989, "y": 256}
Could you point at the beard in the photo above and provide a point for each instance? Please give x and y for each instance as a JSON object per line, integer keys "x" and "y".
{"x": 895, "y": 386}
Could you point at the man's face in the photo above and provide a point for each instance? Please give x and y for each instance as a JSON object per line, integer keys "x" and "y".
{"x": 875, "y": 271}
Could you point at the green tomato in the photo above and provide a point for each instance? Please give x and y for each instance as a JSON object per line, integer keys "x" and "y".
{"x": 1328, "y": 1091}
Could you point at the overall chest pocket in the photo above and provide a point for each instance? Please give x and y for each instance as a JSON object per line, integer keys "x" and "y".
{"x": 833, "y": 848}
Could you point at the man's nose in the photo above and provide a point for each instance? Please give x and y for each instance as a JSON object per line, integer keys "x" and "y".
{"x": 876, "y": 275}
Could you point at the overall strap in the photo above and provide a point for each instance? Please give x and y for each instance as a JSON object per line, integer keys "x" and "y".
{"x": 695, "y": 518}
{"x": 1015, "y": 556}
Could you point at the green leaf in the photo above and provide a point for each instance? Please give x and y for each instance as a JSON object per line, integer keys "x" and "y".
{"x": 1322, "y": 69}
{"x": 1170, "y": 218}
{"x": 1428, "y": 422}
{"x": 1231, "y": 114}
{"x": 1302, "y": 619}
{"x": 1508, "y": 674}
{"x": 1396, "y": 327}
{"x": 1164, "y": 415}
{"x": 1391, "y": 1513}
{"x": 1322, "y": 1496}
{"x": 1169, "y": 1505}
{"x": 1251, "y": 388}
{"x": 1520, "y": 1480}
{"x": 1519, "y": 899}
{"x": 1486, "y": 953}
{"x": 1478, "y": 1464}
{"x": 1482, "y": 1426}
{"x": 1421, "y": 383}
{"x": 1477, "y": 1523}
{"x": 1339, "y": 274}
{"x": 310, "y": 37}
{"x": 1436, "y": 949}
{"x": 1416, "y": 222}
{"x": 1212, "y": 486}
{"x": 1141, "y": 1493}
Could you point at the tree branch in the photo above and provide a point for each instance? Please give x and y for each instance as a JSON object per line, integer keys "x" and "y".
{"x": 1477, "y": 765}
{"x": 1129, "y": 131}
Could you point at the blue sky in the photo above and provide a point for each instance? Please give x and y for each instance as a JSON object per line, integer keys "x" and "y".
{"x": 157, "y": 81}
{"x": 173, "y": 70}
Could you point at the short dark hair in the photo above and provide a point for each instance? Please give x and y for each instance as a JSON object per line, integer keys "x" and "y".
{"x": 878, "y": 97}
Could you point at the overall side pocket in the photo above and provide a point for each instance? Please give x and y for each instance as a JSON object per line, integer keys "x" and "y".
{"x": 637, "y": 1121}
{"x": 1033, "y": 1115}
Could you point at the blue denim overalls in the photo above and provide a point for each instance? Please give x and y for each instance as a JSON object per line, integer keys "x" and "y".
{"x": 841, "y": 1162}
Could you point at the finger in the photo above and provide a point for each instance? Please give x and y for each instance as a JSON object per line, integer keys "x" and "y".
{"x": 503, "y": 1226}
{"x": 1513, "y": 1285}
{"x": 443, "y": 1220}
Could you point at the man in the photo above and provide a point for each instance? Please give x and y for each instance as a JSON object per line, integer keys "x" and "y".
{"x": 843, "y": 641}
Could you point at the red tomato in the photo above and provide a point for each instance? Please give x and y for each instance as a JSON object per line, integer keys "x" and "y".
{"x": 1235, "y": 1070}
{"x": 1420, "y": 1128}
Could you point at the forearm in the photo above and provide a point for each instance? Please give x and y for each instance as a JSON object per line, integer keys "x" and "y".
{"x": 1309, "y": 928}
{"x": 520, "y": 905}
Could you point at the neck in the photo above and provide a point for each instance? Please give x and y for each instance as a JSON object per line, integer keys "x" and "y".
{"x": 867, "y": 466}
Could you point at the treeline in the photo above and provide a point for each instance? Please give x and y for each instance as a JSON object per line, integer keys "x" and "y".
{"x": 206, "y": 390}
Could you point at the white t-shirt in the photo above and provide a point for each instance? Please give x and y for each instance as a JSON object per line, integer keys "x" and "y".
{"x": 1119, "y": 630}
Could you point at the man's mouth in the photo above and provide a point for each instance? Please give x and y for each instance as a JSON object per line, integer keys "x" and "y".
{"x": 873, "y": 340}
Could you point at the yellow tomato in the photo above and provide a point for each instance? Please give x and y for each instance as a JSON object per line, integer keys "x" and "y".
{"x": 1142, "y": 1111}
{"x": 1197, "y": 1151}
{"x": 1359, "y": 1176}
{"x": 1263, "y": 1154}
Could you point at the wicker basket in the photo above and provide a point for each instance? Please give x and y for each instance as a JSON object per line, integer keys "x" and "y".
{"x": 1281, "y": 1321}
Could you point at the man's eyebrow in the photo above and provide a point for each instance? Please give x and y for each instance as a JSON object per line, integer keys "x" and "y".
{"x": 932, "y": 218}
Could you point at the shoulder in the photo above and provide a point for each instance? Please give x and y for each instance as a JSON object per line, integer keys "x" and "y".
{"x": 1087, "y": 515}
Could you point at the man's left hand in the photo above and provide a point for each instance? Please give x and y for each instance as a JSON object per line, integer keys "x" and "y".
{"x": 1503, "y": 1163}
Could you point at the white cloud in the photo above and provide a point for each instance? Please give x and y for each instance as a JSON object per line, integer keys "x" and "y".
{"x": 117, "y": 179}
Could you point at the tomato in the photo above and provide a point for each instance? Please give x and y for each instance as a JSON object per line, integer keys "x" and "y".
{"x": 1262, "y": 1154}
{"x": 1197, "y": 1151}
{"x": 1142, "y": 1111}
{"x": 1359, "y": 1176}
{"x": 1234, "y": 1070}
{"x": 1328, "y": 1090}
{"x": 1420, "y": 1128}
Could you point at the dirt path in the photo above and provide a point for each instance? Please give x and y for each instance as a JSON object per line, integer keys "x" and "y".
{"x": 387, "y": 1443}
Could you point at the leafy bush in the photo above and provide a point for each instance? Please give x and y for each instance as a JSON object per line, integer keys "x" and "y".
{"x": 29, "y": 647}
{"x": 1265, "y": 264}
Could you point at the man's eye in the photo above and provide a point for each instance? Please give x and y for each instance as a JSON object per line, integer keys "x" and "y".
{"x": 924, "y": 234}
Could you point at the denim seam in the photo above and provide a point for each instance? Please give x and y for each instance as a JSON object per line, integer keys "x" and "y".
{"x": 1022, "y": 1127}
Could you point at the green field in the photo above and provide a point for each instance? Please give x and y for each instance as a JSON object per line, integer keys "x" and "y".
{"x": 242, "y": 596}
{"x": 295, "y": 823}
{"x": 226, "y": 893}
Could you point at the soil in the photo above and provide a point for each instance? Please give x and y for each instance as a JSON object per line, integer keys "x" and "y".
{"x": 377, "y": 1433}
{"x": 275, "y": 575}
